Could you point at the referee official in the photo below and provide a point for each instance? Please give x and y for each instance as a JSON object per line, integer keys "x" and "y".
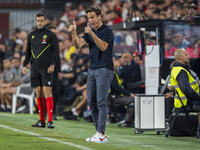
{"x": 42, "y": 51}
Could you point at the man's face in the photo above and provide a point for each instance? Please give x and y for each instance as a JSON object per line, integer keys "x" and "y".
{"x": 6, "y": 63}
{"x": 127, "y": 57}
{"x": 152, "y": 6}
{"x": 55, "y": 31}
{"x": 2, "y": 47}
{"x": 94, "y": 20}
{"x": 137, "y": 59}
{"x": 174, "y": 9}
{"x": 178, "y": 38}
{"x": 116, "y": 62}
{"x": 185, "y": 58}
{"x": 167, "y": 46}
{"x": 15, "y": 63}
{"x": 40, "y": 22}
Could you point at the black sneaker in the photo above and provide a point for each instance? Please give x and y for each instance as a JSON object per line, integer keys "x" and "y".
{"x": 8, "y": 110}
{"x": 55, "y": 118}
{"x": 70, "y": 117}
{"x": 2, "y": 110}
{"x": 50, "y": 124}
{"x": 67, "y": 113}
{"x": 39, "y": 124}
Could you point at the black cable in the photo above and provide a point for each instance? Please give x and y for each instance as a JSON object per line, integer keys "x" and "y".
{"x": 150, "y": 51}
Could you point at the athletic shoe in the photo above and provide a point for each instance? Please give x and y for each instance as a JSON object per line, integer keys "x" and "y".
{"x": 67, "y": 113}
{"x": 21, "y": 108}
{"x": 97, "y": 138}
{"x": 8, "y": 110}
{"x": 39, "y": 124}
{"x": 55, "y": 118}
{"x": 70, "y": 117}
{"x": 2, "y": 110}
{"x": 50, "y": 125}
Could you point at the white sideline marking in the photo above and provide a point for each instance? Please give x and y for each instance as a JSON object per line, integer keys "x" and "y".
{"x": 137, "y": 136}
{"x": 147, "y": 146}
{"x": 18, "y": 117}
{"x": 126, "y": 140}
{"x": 46, "y": 138}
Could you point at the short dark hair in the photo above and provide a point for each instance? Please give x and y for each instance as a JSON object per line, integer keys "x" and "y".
{"x": 51, "y": 27}
{"x": 41, "y": 14}
{"x": 139, "y": 56}
{"x": 127, "y": 51}
{"x": 8, "y": 58}
{"x": 170, "y": 41}
{"x": 95, "y": 9}
{"x": 15, "y": 58}
{"x": 179, "y": 31}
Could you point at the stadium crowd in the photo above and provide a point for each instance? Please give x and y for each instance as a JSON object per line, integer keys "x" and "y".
{"x": 75, "y": 62}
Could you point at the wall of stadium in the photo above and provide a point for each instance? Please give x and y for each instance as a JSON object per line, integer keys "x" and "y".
{"x": 21, "y": 18}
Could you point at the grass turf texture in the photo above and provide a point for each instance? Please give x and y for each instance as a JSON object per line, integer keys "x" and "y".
{"x": 77, "y": 131}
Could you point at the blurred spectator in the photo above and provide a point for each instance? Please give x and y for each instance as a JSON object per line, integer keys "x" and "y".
{"x": 193, "y": 48}
{"x": 64, "y": 66}
{"x": 155, "y": 14}
{"x": 23, "y": 51}
{"x": 126, "y": 11}
{"x": 64, "y": 22}
{"x": 81, "y": 10}
{"x": 117, "y": 37}
{"x": 10, "y": 79}
{"x": 68, "y": 7}
{"x": 179, "y": 40}
{"x": 197, "y": 48}
{"x": 175, "y": 9}
{"x": 169, "y": 48}
{"x": 80, "y": 65}
{"x": 61, "y": 49}
{"x": 130, "y": 72}
{"x": 49, "y": 20}
{"x": 107, "y": 18}
{"x": 18, "y": 46}
{"x": 17, "y": 55}
{"x": 180, "y": 11}
{"x": 140, "y": 4}
{"x": 150, "y": 9}
{"x": 2, "y": 47}
{"x": 162, "y": 16}
{"x": 116, "y": 17}
{"x": 138, "y": 59}
{"x": 64, "y": 35}
{"x": 79, "y": 105}
{"x": 69, "y": 49}
{"x": 73, "y": 13}
{"x": 23, "y": 35}
{"x": 161, "y": 4}
{"x": 119, "y": 95}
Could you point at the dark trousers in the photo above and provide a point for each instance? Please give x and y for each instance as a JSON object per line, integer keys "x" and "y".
{"x": 125, "y": 101}
{"x": 55, "y": 91}
{"x": 98, "y": 85}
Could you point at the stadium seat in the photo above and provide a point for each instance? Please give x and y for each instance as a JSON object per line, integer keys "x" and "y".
{"x": 29, "y": 97}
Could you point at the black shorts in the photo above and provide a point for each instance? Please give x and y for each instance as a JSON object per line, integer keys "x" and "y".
{"x": 41, "y": 79}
